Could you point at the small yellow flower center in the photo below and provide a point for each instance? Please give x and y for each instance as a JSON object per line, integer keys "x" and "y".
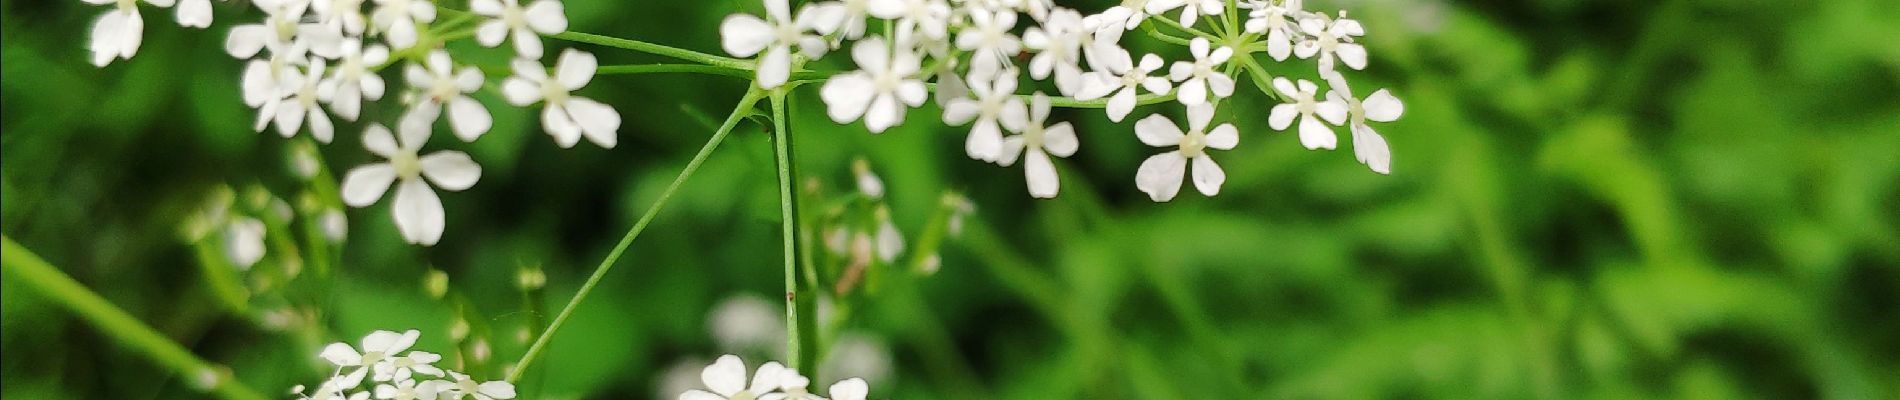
{"x": 407, "y": 167}
{"x": 1033, "y": 135}
{"x": 444, "y": 88}
{"x": 553, "y": 92}
{"x": 1194, "y": 144}
{"x": 373, "y": 357}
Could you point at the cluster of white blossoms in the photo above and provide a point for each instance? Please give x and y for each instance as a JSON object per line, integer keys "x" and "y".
{"x": 384, "y": 367}
{"x": 967, "y": 51}
{"x": 725, "y": 379}
{"x": 309, "y": 61}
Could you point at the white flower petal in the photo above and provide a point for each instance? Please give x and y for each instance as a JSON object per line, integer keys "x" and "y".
{"x": 1371, "y": 149}
{"x": 726, "y": 376}
{"x": 846, "y": 96}
{"x": 1208, "y": 176}
{"x": 450, "y": 170}
{"x": 1121, "y": 104}
{"x": 1224, "y": 137}
{"x": 1060, "y": 140}
{"x": 1160, "y": 175}
{"x": 885, "y": 112}
{"x": 1281, "y": 116}
{"x": 1040, "y": 174}
{"x": 520, "y": 92}
{"x": 849, "y": 389}
{"x": 1156, "y": 130}
{"x": 546, "y": 16}
{"x": 1353, "y": 54}
{"x": 985, "y": 142}
{"x": 775, "y": 66}
{"x": 418, "y": 212}
{"x": 575, "y": 68}
{"x": 599, "y": 122}
{"x": 491, "y": 33}
{"x": 1383, "y": 107}
{"x": 194, "y": 13}
{"x": 555, "y": 120}
{"x": 468, "y": 118}
{"x": 1315, "y": 135}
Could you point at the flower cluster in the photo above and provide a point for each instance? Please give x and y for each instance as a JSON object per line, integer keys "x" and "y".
{"x": 395, "y": 372}
{"x": 309, "y": 62}
{"x": 725, "y": 379}
{"x": 968, "y": 51}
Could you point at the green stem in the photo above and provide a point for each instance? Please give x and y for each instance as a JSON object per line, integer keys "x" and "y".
{"x": 800, "y": 310}
{"x": 21, "y": 265}
{"x": 540, "y": 344}
{"x": 1177, "y": 25}
{"x": 673, "y": 68}
{"x": 655, "y": 49}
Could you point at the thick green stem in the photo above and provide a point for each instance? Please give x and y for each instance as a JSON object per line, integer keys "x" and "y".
{"x": 800, "y": 300}
{"x": 24, "y": 267}
{"x": 739, "y": 112}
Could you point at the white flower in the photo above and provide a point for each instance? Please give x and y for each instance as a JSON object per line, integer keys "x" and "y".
{"x": 849, "y": 389}
{"x": 284, "y": 33}
{"x": 995, "y": 102}
{"x": 377, "y": 346}
{"x": 543, "y": 16}
{"x": 1119, "y": 75}
{"x": 417, "y": 210}
{"x": 868, "y": 182}
{"x": 398, "y": 18}
{"x": 463, "y": 387}
{"x": 442, "y": 84}
{"x": 1199, "y": 76}
{"x": 1381, "y": 106}
{"x": 726, "y": 378}
{"x": 1313, "y": 133}
{"x": 244, "y": 242}
{"x": 1035, "y": 144}
{"x": 1058, "y": 42}
{"x": 353, "y": 82}
{"x": 928, "y": 17}
{"x": 564, "y": 116}
{"x": 344, "y": 16}
{"x": 1197, "y": 8}
{"x": 392, "y": 369}
{"x": 1131, "y": 12}
{"x": 335, "y": 225}
{"x": 1331, "y": 39}
{"x": 1160, "y": 175}
{"x": 297, "y": 100}
{"x": 989, "y": 40}
{"x": 747, "y": 322}
{"x": 408, "y": 389}
{"x": 880, "y": 91}
{"x": 118, "y": 33}
{"x": 744, "y": 35}
{"x": 1272, "y": 20}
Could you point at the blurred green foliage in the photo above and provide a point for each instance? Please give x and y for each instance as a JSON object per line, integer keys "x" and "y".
{"x": 1609, "y": 199}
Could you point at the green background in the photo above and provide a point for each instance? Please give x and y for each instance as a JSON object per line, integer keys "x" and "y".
{"x": 1607, "y": 199}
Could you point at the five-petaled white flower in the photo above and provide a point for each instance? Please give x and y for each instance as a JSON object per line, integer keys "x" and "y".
{"x": 726, "y": 378}
{"x": 1058, "y": 45}
{"x": 441, "y": 84}
{"x": 401, "y": 368}
{"x": 989, "y": 41}
{"x": 244, "y": 242}
{"x": 1160, "y": 175}
{"x": 1272, "y": 20}
{"x": 1332, "y": 38}
{"x": 564, "y": 116}
{"x": 418, "y": 212}
{"x": 744, "y": 35}
{"x": 377, "y": 346}
{"x": 297, "y": 101}
{"x": 543, "y": 16}
{"x": 1199, "y": 77}
{"x": 1120, "y": 76}
{"x": 993, "y": 107}
{"x": 1381, "y": 106}
{"x": 463, "y": 387}
{"x": 353, "y": 82}
{"x": 880, "y": 91}
{"x": 1035, "y": 144}
{"x": 1313, "y": 133}
{"x": 398, "y": 19}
